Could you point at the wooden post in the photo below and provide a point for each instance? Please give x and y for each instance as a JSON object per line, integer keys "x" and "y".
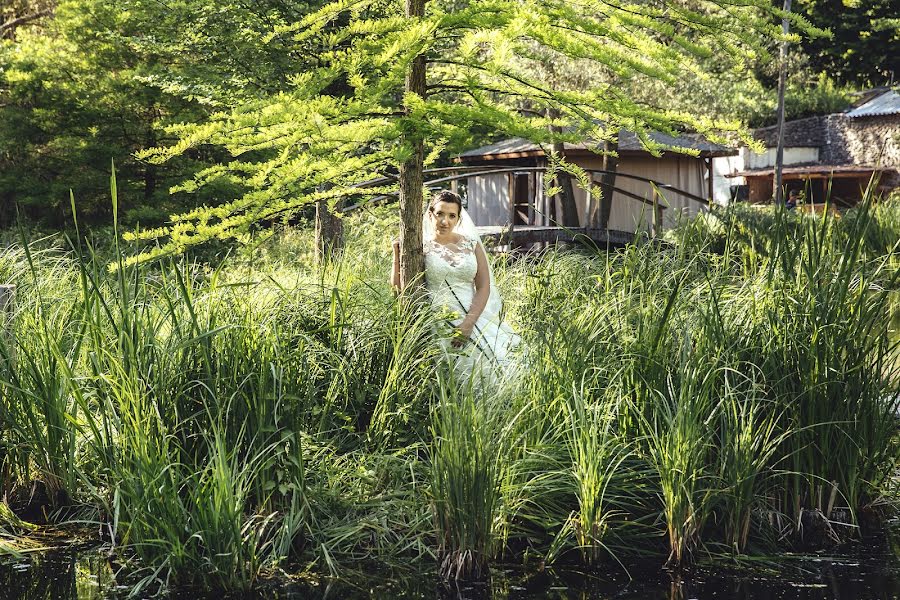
{"x": 7, "y": 298}
{"x": 656, "y": 217}
{"x": 709, "y": 189}
{"x": 532, "y": 199}
{"x": 607, "y": 183}
{"x": 510, "y": 190}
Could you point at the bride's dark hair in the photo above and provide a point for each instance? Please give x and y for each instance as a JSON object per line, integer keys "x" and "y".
{"x": 445, "y": 196}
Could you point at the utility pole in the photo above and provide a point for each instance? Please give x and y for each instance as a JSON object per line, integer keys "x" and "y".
{"x": 777, "y": 191}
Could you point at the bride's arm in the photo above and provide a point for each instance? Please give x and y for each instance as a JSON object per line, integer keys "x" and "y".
{"x": 482, "y": 292}
{"x": 395, "y": 270}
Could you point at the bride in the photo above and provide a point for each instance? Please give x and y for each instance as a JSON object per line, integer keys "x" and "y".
{"x": 461, "y": 285}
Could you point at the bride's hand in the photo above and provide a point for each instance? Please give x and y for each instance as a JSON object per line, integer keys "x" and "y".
{"x": 463, "y": 333}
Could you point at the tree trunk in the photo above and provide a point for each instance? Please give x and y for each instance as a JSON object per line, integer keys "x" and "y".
{"x": 607, "y": 183}
{"x": 412, "y": 259}
{"x": 6, "y": 210}
{"x": 329, "y": 233}
{"x": 568, "y": 207}
{"x": 150, "y": 169}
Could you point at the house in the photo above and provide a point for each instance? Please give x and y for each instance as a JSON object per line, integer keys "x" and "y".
{"x": 505, "y": 182}
{"x": 841, "y": 150}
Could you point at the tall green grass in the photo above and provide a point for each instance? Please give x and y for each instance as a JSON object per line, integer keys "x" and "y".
{"x": 728, "y": 391}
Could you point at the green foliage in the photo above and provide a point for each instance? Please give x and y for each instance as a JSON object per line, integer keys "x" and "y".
{"x": 467, "y": 463}
{"x": 346, "y": 120}
{"x": 733, "y": 390}
{"x": 865, "y": 36}
{"x": 91, "y": 85}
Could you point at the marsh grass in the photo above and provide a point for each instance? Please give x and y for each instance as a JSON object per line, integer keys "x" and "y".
{"x": 676, "y": 399}
{"x": 470, "y": 433}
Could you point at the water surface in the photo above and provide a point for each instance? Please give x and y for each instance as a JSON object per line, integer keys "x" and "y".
{"x": 865, "y": 573}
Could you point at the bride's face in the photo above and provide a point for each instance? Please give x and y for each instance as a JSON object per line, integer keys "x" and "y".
{"x": 445, "y": 216}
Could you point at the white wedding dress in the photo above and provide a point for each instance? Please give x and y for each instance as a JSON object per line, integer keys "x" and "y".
{"x": 450, "y": 278}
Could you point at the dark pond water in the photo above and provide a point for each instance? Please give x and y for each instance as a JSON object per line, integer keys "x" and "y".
{"x": 863, "y": 573}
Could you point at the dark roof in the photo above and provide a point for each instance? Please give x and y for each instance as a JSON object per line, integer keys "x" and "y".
{"x": 887, "y": 103}
{"x": 822, "y": 170}
{"x": 628, "y": 142}
{"x": 800, "y": 133}
{"x": 813, "y": 131}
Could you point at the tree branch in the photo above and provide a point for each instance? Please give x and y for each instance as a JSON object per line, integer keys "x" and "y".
{"x": 19, "y": 21}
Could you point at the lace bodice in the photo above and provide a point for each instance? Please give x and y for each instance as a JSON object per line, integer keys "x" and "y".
{"x": 450, "y": 273}
{"x": 453, "y": 254}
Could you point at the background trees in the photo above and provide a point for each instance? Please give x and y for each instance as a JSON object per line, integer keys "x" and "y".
{"x": 866, "y": 36}
{"x": 420, "y": 79}
{"x": 101, "y": 81}
{"x": 94, "y": 81}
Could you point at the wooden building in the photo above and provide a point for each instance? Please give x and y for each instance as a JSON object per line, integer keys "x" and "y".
{"x": 505, "y": 183}
{"x": 835, "y": 154}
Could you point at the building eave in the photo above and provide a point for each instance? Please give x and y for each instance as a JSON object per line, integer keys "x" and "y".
{"x": 813, "y": 172}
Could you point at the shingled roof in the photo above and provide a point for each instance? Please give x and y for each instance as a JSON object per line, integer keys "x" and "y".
{"x": 628, "y": 143}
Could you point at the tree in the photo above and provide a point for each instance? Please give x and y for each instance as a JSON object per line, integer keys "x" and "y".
{"x": 99, "y": 80}
{"x": 16, "y": 14}
{"x": 421, "y": 77}
{"x": 73, "y": 96}
{"x": 863, "y": 49}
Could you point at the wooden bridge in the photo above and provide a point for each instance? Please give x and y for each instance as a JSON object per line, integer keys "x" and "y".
{"x": 529, "y": 235}
{"x": 514, "y": 234}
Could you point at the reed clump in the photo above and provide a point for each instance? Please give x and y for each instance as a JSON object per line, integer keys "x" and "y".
{"x": 733, "y": 390}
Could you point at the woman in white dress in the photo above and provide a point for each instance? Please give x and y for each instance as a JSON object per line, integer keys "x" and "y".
{"x": 461, "y": 285}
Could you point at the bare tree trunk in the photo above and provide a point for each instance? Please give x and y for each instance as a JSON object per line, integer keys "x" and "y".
{"x": 568, "y": 207}
{"x": 6, "y": 210}
{"x": 412, "y": 259}
{"x": 329, "y": 233}
{"x": 777, "y": 192}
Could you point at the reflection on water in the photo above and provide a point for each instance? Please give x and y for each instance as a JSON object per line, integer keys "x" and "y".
{"x": 58, "y": 576}
{"x": 870, "y": 572}
{"x": 867, "y": 577}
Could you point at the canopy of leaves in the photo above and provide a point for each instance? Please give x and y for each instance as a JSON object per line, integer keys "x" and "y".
{"x": 101, "y": 81}
{"x": 865, "y": 46}
{"x": 346, "y": 120}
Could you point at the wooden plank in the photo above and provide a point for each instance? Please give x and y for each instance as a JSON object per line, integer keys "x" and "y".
{"x": 656, "y": 219}
{"x": 7, "y": 300}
